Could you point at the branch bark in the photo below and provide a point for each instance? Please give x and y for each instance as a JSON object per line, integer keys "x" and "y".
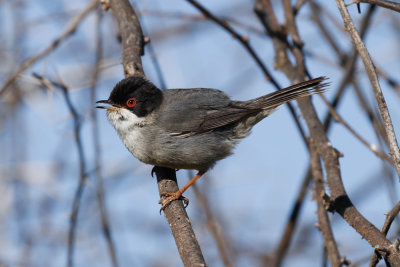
{"x": 131, "y": 37}
{"x": 178, "y": 220}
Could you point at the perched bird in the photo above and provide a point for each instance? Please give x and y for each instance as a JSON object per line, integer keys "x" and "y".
{"x": 189, "y": 128}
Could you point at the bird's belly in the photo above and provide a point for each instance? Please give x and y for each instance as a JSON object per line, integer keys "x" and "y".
{"x": 199, "y": 152}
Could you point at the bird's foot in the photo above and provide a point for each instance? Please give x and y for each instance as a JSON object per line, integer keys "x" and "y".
{"x": 167, "y": 198}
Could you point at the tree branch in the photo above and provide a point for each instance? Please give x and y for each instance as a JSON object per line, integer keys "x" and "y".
{"x": 178, "y": 220}
{"x": 131, "y": 37}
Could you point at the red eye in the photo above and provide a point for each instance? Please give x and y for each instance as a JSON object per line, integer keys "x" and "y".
{"x": 131, "y": 102}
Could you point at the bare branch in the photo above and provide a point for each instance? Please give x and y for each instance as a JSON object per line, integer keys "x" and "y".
{"x": 370, "y": 69}
{"x": 131, "y": 35}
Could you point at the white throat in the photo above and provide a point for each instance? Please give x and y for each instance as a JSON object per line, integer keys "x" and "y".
{"x": 131, "y": 130}
{"x": 124, "y": 121}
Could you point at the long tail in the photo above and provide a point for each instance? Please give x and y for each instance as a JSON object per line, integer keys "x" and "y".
{"x": 271, "y": 101}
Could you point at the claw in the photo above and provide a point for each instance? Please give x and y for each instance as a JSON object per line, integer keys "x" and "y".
{"x": 169, "y": 197}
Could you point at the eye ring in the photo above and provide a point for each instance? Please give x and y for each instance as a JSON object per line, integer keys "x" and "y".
{"x": 131, "y": 102}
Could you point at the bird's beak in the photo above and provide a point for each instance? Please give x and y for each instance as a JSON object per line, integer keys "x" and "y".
{"x": 111, "y": 106}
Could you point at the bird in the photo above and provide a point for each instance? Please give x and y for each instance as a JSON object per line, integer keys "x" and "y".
{"x": 189, "y": 128}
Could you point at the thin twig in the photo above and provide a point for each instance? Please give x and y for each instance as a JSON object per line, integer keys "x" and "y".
{"x": 370, "y": 69}
{"x": 69, "y": 30}
{"x": 383, "y": 3}
{"x": 339, "y": 119}
{"x": 390, "y": 216}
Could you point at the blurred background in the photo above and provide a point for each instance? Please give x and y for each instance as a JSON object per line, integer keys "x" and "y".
{"x": 52, "y": 139}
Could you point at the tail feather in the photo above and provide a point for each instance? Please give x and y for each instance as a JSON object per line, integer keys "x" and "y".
{"x": 273, "y": 100}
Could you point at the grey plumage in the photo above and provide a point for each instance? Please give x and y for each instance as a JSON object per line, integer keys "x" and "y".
{"x": 190, "y": 128}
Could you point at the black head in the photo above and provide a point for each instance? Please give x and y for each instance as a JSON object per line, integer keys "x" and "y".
{"x": 135, "y": 94}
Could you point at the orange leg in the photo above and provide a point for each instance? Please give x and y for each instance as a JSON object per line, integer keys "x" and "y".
{"x": 178, "y": 194}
